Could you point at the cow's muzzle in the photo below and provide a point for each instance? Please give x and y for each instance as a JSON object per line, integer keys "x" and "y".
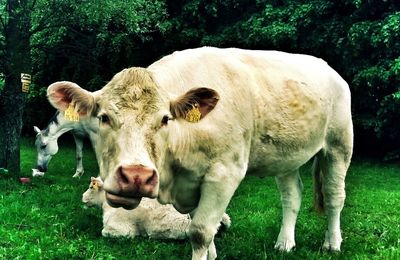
{"x": 116, "y": 201}
{"x": 134, "y": 182}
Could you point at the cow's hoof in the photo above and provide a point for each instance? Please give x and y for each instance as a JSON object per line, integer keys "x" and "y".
{"x": 332, "y": 242}
{"x": 285, "y": 245}
{"x": 331, "y": 247}
{"x": 78, "y": 174}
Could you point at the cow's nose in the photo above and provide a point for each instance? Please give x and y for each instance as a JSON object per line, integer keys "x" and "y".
{"x": 136, "y": 180}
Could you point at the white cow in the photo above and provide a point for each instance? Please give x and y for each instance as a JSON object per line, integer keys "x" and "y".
{"x": 149, "y": 219}
{"x": 186, "y": 129}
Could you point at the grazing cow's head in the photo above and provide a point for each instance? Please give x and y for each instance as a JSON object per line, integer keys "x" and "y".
{"x": 46, "y": 147}
{"x": 134, "y": 119}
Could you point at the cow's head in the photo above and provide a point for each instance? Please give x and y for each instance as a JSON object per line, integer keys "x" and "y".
{"x": 46, "y": 147}
{"x": 134, "y": 126}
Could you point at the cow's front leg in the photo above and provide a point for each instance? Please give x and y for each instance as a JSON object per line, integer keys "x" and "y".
{"x": 290, "y": 187}
{"x": 217, "y": 189}
{"x": 79, "y": 164}
{"x": 202, "y": 239}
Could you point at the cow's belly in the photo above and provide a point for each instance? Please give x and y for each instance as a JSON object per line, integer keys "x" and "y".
{"x": 284, "y": 148}
{"x": 270, "y": 160}
{"x": 80, "y": 132}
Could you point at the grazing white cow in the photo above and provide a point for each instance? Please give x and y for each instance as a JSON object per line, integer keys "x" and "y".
{"x": 47, "y": 145}
{"x": 149, "y": 219}
{"x": 186, "y": 129}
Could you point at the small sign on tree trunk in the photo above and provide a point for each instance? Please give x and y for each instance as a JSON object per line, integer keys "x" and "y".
{"x": 26, "y": 81}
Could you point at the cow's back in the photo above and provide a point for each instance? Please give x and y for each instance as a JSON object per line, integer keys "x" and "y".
{"x": 280, "y": 104}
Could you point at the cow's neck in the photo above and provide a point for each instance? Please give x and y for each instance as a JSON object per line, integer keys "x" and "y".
{"x": 58, "y": 126}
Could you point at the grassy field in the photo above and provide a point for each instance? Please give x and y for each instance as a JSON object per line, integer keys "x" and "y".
{"x": 45, "y": 219}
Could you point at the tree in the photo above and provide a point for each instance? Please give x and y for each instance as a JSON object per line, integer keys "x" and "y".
{"x": 71, "y": 35}
{"x": 15, "y": 23}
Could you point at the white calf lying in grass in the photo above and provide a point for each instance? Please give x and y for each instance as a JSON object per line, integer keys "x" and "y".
{"x": 149, "y": 219}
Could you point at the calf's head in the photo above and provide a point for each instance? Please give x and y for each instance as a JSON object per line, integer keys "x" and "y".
{"x": 94, "y": 195}
{"x": 134, "y": 118}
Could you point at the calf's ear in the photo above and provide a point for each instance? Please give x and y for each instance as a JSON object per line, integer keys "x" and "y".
{"x": 195, "y": 104}
{"x": 99, "y": 184}
{"x": 62, "y": 94}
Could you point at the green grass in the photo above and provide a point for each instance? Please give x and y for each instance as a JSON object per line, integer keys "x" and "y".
{"x": 45, "y": 219}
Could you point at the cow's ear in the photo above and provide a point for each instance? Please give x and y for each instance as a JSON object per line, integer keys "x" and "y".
{"x": 62, "y": 94}
{"x": 36, "y": 129}
{"x": 194, "y": 104}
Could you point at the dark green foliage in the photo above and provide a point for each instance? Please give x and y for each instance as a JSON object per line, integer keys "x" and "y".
{"x": 88, "y": 42}
{"x": 1, "y": 82}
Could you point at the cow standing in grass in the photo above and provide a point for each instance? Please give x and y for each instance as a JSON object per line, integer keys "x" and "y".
{"x": 46, "y": 141}
{"x": 187, "y": 128}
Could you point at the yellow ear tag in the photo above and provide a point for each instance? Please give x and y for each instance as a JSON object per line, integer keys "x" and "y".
{"x": 194, "y": 114}
{"x": 70, "y": 114}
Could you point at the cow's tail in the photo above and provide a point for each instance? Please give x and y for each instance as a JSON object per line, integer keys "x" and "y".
{"x": 318, "y": 194}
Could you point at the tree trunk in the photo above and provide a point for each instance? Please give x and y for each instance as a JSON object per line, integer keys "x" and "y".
{"x": 12, "y": 99}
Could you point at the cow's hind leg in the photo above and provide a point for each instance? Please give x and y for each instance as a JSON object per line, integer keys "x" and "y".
{"x": 290, "y": 187}
{"x": 334, "y": 170}
{"x": 335, "y": 160}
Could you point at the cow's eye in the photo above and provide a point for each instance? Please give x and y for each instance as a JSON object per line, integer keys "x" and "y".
{"x": 104, "y": 119}
{"x": 164, "y": 120}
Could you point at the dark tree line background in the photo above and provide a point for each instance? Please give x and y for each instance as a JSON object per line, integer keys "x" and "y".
{"x": 88, "y": 41}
